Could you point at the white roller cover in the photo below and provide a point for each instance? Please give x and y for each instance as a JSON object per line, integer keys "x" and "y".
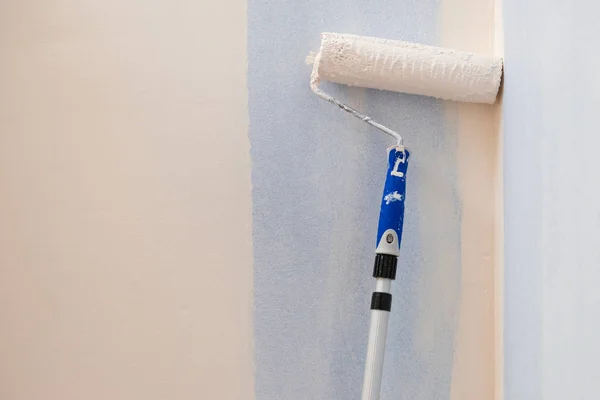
{"x": 407, "y": 67}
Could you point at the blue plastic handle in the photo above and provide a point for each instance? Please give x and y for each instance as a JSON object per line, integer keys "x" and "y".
{"x": 391, "y": 217}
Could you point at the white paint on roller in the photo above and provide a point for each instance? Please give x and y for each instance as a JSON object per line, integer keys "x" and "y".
{"x": 406, "y": 67}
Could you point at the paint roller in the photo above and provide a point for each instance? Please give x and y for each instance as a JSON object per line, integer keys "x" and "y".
{"x": 412, "y": 68}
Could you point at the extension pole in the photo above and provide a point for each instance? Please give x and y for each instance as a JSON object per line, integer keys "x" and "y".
{"x": 389, "y": 236}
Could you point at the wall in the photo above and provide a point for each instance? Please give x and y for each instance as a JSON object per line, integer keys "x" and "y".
{"x": 552, "y": 213}
{"x": 317, "y": 178}
{"x": 125, "y": 247}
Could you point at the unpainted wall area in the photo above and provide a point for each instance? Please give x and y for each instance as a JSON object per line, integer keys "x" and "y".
{"x": 125, "y": 239}
{"x": 551, "y": 101}
{"x": 317, "y": 177}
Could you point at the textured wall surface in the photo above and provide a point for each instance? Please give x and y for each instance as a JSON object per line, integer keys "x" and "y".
{"x": 552, "y": 210}
{"x": 317, "y": 178}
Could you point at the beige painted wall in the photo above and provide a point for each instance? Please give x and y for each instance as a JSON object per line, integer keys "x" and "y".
{"x": 476, "y": 25}
{"x": 125, "y": 241}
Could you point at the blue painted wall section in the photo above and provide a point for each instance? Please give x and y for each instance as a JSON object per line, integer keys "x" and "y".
{"x": 318, "y": 176}
{"x": 552, "y": 212}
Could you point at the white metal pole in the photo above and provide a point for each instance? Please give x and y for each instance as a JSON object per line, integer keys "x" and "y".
{"x": 376, "y": 346}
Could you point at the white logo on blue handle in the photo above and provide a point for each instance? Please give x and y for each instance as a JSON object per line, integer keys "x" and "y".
{"x": 399, "y": 160}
